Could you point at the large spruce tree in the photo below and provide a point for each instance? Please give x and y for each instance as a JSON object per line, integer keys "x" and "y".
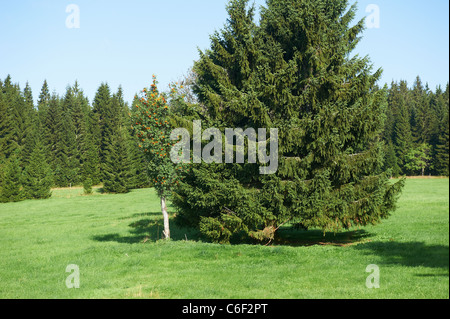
{"x": 294, "y": 71}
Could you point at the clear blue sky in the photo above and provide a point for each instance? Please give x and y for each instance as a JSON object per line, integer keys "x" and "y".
{"x": 125, "y": 42}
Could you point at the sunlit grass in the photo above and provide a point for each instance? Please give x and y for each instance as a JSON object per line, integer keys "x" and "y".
{"x": 115, "y": 241}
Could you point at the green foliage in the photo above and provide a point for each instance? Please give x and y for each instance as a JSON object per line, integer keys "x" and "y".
{"x": 6, "y": 129}
{"x": 442, "y": 150}
{"x": 418, "y": 159}
{"x": 11, "y": 186}
{"x": 391, "y": 160}
{"x": 37, "y": 176}
{"x": 292, "y": 71}
{"x": 116, "y": 166}
{"x": 87, "y": 186}
{"x": 78, "y": 142}
{"x": 152, "y": 127}
{"x": 416, "y": 116}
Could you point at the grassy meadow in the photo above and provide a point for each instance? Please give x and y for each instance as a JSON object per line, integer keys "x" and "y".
{"x": 115, "y": 241}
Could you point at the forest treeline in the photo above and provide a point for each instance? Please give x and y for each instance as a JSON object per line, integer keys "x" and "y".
{"x": 67, "y": 140}
{"x": 416, "y": 129}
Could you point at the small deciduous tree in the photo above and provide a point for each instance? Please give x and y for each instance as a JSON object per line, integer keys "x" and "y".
{"x": 152, "y": 126}
{"x": 419, "y": 158}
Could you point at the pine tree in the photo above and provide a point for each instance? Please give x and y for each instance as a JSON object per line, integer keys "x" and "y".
{"x": 50, "y": 127}
{"x": 33, "y": 126}
{"x": 103, "y": 116}
{"x": 90, "y": 165}
{"x": 13, "y": 101}
{"x": 37, "y": 176}
{"x": 291, "y": 72}
{"x": 391, "y": 161}
{"x": 60, "y": 142}
{"x": 66, "y": 159}
{"x": 441, "y": 163}
{"x": 6, "y": 130}
{"x": 403, "y": 137}
{"x": 43, "y": 101}
{"x": 11, "y": 187}
{"x": 424, "y": 117}
{"x": 117, "y": 168}
{"x": 90, "y": 160}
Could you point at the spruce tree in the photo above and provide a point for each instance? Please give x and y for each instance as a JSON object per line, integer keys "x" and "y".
{"x": 292, "y": 72}
{"x": 66, "y": 159}
{"x": 442, "y": 148}
{"x": 90, "y": 160}
{"x": 33, "y": 126}
{"x": 44, "y": 98}
{"x": 13, "y": 101}
{"x": 37, "y": 176}
{"x": 11, "y": 187}
{"x": 117, "y": 168}
{"x": 424, "y": 115}
{"x": 103, "y": 115}
{"x": 403, "y": 136}
{"x": 6, "y": 130}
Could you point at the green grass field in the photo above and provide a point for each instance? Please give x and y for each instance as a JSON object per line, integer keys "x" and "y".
{"x": 114, "y": 241}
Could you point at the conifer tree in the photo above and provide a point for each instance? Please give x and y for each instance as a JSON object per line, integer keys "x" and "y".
{"x": 442, "y": 148}
{"x": 12, "y": 99}
{"x": 37, "y": 176}
{"x": 391, "y": 161}
{"x": 291, "y": 72}
{"x": 117, "y": 165}
{"x": 33, "y": 126}
{"x": 66, "y": 159}
{"x": 6, "y": 130}
{"x": 403, "y": 137}
{"x": 11, "y": 187}
{"x": 43, "y": 101}
{"x": 103, "y": 116}
{"x": 140, "y": 177}
{"x": 89, "y": 161}
{"x": 90, "y": 156}
{"x": 424, "y": 115}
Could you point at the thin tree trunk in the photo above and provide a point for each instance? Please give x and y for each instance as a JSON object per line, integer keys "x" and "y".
{"x": 166, "y": 218}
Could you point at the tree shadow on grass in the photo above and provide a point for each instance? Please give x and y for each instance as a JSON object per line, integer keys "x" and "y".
{"x": 294, "y": 237}
{"x": 149, "y": 230}
{"x": 410, "y": 254}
